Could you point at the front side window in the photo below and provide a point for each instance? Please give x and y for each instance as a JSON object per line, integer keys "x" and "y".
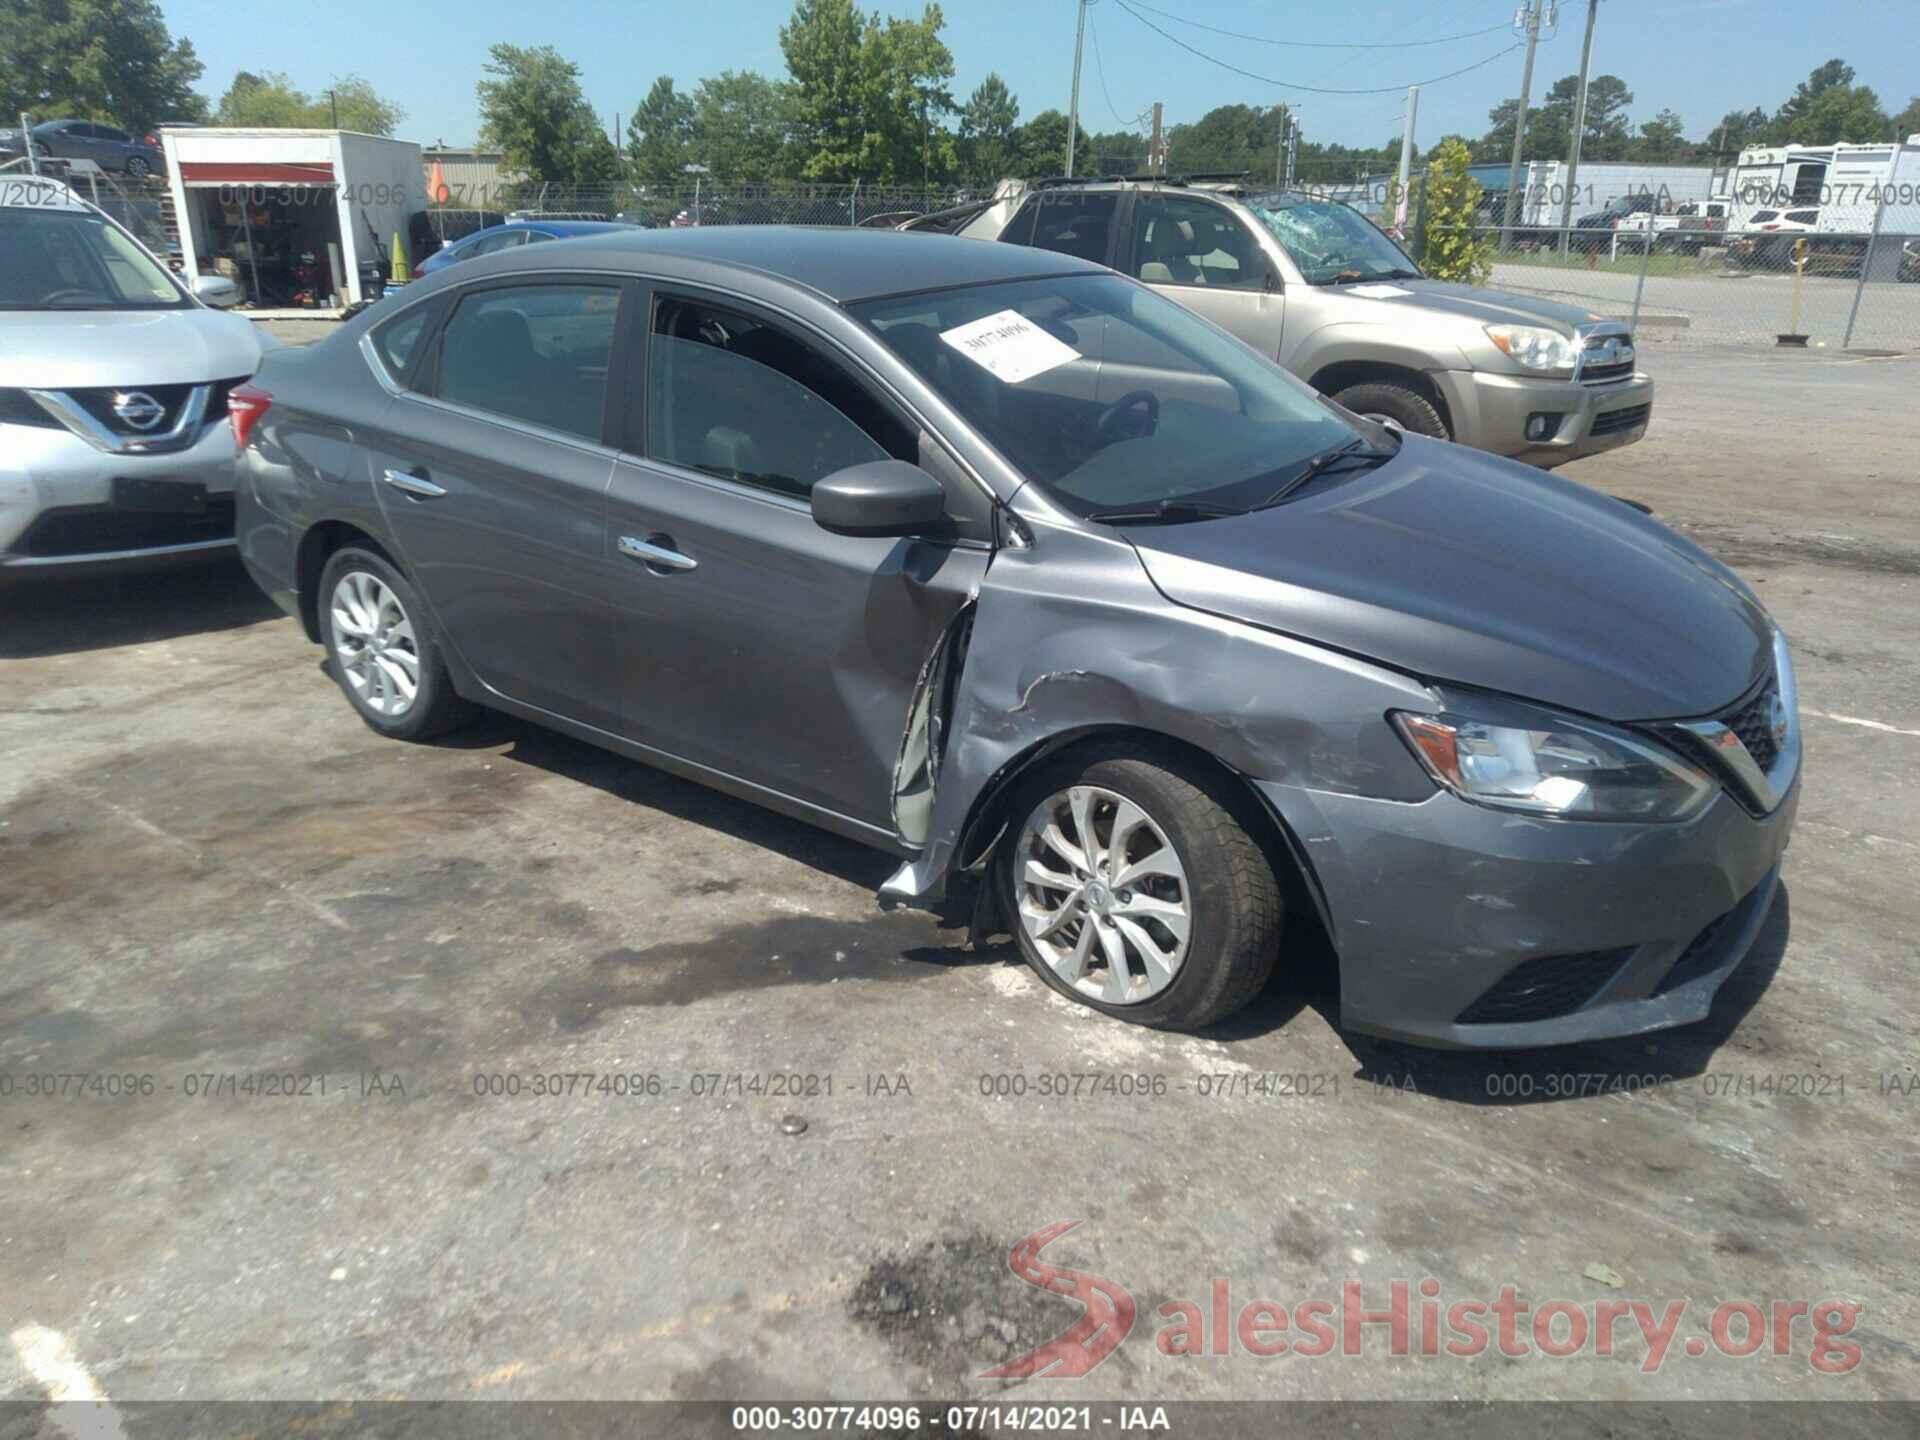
{"x": 1110, "y": 395}
{"x": 74, "y": 260}
{"x": 536, "y": 353}
{"x": 1179, "y": 241}
{"x": 1333, "y": 244}
{"x": 735, "y": 397}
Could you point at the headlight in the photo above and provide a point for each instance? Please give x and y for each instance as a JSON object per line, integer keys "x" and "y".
{"x": 1535, "y": 348}
{"x": 1542, "y": 763}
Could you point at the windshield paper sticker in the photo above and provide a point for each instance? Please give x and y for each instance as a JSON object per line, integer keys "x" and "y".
{"x": 1376, "y": 292}
{"x": 1009, "y": 346}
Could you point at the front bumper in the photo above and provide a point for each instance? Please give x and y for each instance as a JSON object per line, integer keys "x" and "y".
{"x": 1490, "y": 412}
{"x": 1464, "y": 927}
{"x": 59, "y": 509}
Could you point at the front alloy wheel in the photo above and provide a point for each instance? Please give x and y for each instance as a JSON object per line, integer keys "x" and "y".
{"x": 1133, "y": 884}
{"x": 1103, "y": 896}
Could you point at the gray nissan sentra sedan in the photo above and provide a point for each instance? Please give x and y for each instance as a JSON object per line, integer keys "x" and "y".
{"x": 1004, "y": 563}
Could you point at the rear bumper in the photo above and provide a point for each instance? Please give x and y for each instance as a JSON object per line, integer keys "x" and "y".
{"x": 1490, "y": 412}
{"x": 59, "y": 510}
{"x": 1464, "y": 927}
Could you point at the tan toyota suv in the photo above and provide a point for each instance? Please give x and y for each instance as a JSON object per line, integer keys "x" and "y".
{"x": 1324, "y": 291}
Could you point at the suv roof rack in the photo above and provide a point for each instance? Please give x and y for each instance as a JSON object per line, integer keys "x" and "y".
{"x": 1054, "y": 182}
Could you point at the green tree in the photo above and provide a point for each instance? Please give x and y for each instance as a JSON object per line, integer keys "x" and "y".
{"x": 870, "y": 97}
{"x": 1834, "y": 74}
{"x": 1227, "y": 138}
{"x": 659, "y": 133}
{"x": 534, "y": 113}
{"x": 1113, "y": 152}
{"x": 271, "y": 101}
{"x": 109, "y": 60}
{"x": 739, "y": 129}
{"x": 1450, "y": 248}
{"x": 1907, "y": 123}
{"x": 823, "y": 43}
{"x": 1839, "y": 113}
{"x": 988, "y": 122}
{"x": 1663, "y": 139}
{"x": 1041, "y": 146}
{"x": 1606, "y": 135}
{"x": 1740, "y": 129}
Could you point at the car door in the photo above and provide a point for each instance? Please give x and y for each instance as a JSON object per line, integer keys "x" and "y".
{"x": 492, "y": 474}
{"x": 748, "y": 640}
{"x": 111, "y": 147}
{"x": 1201, "y": 254}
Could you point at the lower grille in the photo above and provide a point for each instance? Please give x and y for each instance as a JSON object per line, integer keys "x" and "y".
{"x": 1753, "y": 723}
{"x": 1601, "y": 374}
{"x": 1701, "y": 955}
{"x": 1611, "y": 422}
{"x": 1545, "y": 988}
{"x": 101, "y": 529}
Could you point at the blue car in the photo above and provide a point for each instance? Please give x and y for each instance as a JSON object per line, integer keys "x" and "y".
{"x": 514, "y": 233}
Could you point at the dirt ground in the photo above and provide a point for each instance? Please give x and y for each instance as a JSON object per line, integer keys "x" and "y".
{"x": 212, "y": 873}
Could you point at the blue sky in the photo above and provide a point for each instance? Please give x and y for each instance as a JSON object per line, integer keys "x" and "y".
{"x": 1699, "y": 57}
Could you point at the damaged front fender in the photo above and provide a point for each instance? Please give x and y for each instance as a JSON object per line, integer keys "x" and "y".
{"x": 1069, "y": 636}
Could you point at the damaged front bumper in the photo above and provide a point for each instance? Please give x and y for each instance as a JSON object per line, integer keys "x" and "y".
{"x": 1460, "y": 926}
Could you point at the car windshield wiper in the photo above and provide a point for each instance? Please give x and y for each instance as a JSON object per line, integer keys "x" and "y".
{"x": 1354, "y": 277}
{"x": 1354, "y": 452}
{"x": 1171, "y": 512}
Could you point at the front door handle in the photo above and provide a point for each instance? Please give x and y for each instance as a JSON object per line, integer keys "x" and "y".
{"x": 656, "y": 552}
{"x": 413, "y": 484}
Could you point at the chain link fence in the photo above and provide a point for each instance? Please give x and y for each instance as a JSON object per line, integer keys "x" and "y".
{"x": 1683, "y": 284}
{"x": 697, "y": 202}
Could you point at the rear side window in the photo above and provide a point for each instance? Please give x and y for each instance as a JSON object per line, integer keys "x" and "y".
{"x": 535, "y": 353}
{"x": 734, "y": 397}
{"x": 398, "y": 341}
{"x": 1803, "y": 217}
{"x": 1073, "y": 224}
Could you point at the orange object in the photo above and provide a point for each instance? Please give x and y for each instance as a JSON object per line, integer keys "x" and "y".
{"x": 437, "y": 192}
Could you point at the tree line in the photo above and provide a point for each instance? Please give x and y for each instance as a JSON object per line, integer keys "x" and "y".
{"x": 865, "y": 97}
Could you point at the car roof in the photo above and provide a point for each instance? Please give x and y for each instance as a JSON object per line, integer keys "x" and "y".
{"x": 42, "y": 192}
{"x": 843, "y": 265}
{"x": 561, "y": 227}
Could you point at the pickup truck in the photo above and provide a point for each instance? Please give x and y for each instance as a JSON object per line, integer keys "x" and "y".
{"x": 1687, "y": 227}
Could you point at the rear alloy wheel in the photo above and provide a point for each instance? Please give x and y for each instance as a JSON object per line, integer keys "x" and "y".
{"x": 138, "y": 168}
{"x": 1133, "y": 889}
{"x": 382, "y": 653}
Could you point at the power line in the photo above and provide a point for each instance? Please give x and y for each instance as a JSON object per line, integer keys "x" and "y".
{"x": 1323, "y": 44}
{"x": 1310, "y": 89}
{"x": 1100, "y": 69}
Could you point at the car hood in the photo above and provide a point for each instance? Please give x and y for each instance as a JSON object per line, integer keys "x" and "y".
{"x": 1469, "y": 302}
{"x": 73, "y": 349}
{"x": 1456, "y": 566}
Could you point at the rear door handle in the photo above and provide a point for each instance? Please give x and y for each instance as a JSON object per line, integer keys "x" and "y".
{"x": 413, "y": 484}
{"x": 655, "y": 554}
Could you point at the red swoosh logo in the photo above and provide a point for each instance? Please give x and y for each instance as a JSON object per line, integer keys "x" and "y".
{"x": 1104, "y": 1323}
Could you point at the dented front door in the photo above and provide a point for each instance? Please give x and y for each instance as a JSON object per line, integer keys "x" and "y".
{"x": 780, "y": 655}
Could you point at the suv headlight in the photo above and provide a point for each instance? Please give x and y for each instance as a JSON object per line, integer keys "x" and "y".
{"x": 1513, "y": 756}
{"x": 1533, "y": 347}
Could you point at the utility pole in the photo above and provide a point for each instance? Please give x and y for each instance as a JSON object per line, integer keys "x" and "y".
{"x": 1406, "y": 159}
{"x": 1579, "y": 127}
{"x": 1292, "y": 148}
{"x": 334, "y": 101}
{"x": 1529, "y": 20}
{"x": 1281, "y": 132}
{"x": 1156, "y": 147}
{"x": 1073, "y": 105}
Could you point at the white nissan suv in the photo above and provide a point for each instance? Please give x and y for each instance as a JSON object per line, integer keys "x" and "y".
{"x": 114, "y": 376}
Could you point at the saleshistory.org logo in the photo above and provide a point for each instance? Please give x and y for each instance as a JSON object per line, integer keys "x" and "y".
{"x": 1414, "y": 1322}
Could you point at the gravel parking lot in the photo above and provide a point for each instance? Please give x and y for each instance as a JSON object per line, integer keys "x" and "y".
{"x": 210, "y": 869}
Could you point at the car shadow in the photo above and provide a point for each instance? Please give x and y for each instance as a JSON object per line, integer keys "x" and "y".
{"x": 641, "y": 784}
{"x": 70, "y": 615}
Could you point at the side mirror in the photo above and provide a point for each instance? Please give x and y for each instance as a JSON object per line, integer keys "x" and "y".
{"x": 216, "y": 290}
{"x": 881, "y": 497}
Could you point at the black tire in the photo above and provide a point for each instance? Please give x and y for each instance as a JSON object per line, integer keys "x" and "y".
{"x": 1236, "y": 909}
{"x": 435, "y": 708}
{"x": 138, "y": 168}
{"x": 1402, "y": 405}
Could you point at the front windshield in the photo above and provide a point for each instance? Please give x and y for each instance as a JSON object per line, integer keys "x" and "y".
{"x": 1108, "y": 395}
{"x": 61, "y": 259}
{"x": 1330, "y": 242}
